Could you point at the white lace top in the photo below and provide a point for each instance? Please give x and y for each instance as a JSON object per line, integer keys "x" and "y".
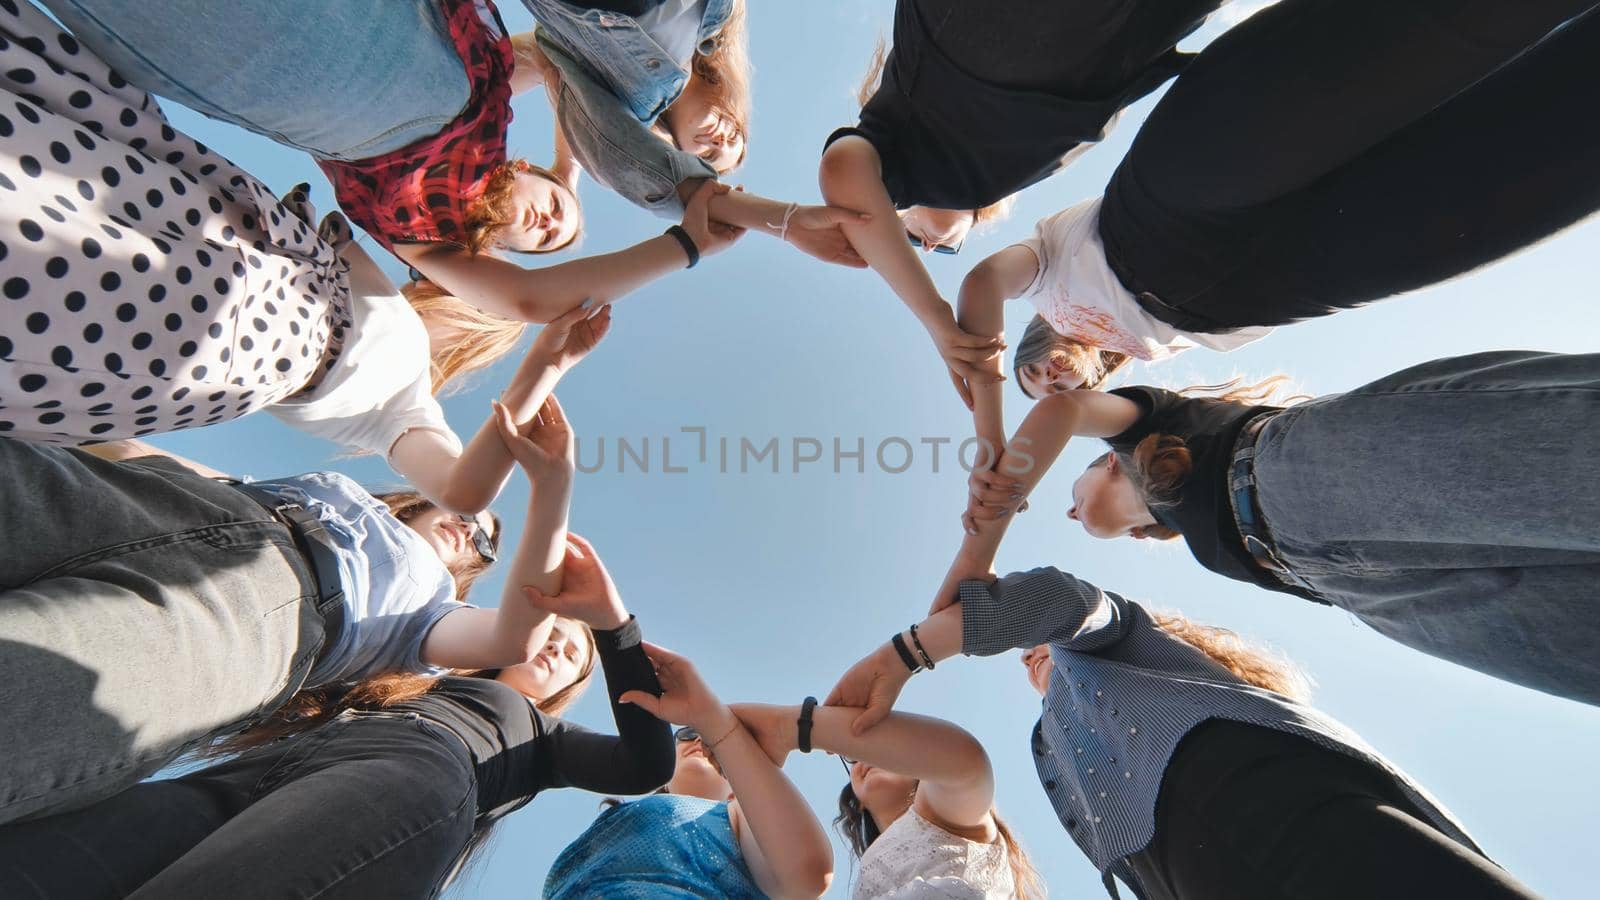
{"x": 915, "y": 858}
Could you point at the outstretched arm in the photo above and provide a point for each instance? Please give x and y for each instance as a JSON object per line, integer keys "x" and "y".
{"x": 994, "y": 495}
{"x": 469, "y": 482}
{"x": 981, "y": 311}
{"x": 851, "y": 178}
{"x": 514, "y": 633}
{"x": 779, "y": 836}
{"x": 956, "y": 778}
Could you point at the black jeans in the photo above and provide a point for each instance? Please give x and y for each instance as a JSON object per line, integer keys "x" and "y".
{"x": 1247, "y": 812}
{"x": 1328, "y": 153}
{"x": 369, "y": 805}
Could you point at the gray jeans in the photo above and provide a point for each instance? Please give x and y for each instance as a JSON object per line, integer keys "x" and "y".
{"x": 1454, "y": 507}
{"x": 142, "y": 608}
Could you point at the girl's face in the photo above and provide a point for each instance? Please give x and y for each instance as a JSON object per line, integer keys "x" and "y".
{"x": 450, "y": 537}
{"x": 1039, "y": 665}
{"x": 1041, "y": 379}
{"x": 544, "y": 215}
{"x": 881, "y": 789}
{"x": 937, "y": 227}
{"x": 557, "y": 666}
{"x": 1106, "y": 503}
{"x": 696, "y": 774}
{"x": 696, "y": 127}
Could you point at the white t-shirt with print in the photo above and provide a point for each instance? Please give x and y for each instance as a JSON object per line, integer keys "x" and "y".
{"x": 1080, "y": 297}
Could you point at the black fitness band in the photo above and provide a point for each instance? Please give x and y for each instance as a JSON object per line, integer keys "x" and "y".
{"x": 805, "y": 723}
{"x": 682, "y": 237}
{"x": 926, "y": 659}
{"x": 905, "y": 654}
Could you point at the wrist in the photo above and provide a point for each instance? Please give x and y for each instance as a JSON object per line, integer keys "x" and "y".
{"x": 714, "y": 721}
{"x": 609, "y": 619}
{"x": 685, "y": 241}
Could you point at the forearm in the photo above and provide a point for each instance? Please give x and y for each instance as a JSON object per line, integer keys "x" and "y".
{"x": 793, "y": 845}
{"x": 747, "y": 210}
{"x": 539, "y": 295}
{"x": 642, "y": 756}
{"x": 520, "y": 626}
{"x": 924, "y": 748}
{"x": 851, "y": 181}
{"x": 477, "y": 476}
{"x": 981, "y": 311}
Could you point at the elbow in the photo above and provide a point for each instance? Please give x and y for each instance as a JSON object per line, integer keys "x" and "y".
{"x": 658, "y": 765}
{"x": 838, "y": 173}
{"x": 810, "y": 875}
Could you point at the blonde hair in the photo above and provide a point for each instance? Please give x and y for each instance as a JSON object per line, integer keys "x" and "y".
{"x": 490, "y": 213}
{"x": 1044, "y": 345}
{"x": 476, "y": 339}
{"x": 1249, "y": 662}
{"x": 984, "y": 215}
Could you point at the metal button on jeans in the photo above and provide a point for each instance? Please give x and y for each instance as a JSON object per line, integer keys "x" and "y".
{"x": 652, "y": 63}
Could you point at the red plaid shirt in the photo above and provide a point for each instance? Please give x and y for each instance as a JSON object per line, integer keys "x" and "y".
{"x": 420, "y": 193}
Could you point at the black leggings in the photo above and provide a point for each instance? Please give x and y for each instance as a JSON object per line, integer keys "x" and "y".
{"x": 369, "y": 805}
{"x": 1328, "y": 153}
{"x": 1250, "y": 813}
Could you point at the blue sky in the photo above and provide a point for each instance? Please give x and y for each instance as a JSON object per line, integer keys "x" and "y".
{"x": 775, "y": 583}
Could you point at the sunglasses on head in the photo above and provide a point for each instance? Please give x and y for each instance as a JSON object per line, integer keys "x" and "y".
{"x": 480, "y": 538}
{"x": 946, "y": 249}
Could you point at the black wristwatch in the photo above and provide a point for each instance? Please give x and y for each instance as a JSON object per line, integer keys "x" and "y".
{"x": 804, "y": 723}
{"x": 684, "y": 240}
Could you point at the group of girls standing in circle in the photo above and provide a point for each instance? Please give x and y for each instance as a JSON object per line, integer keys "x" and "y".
{"x": 357, "y": 726}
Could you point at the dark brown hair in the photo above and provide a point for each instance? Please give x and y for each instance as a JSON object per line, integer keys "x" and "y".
{"x": 859, "y": 829}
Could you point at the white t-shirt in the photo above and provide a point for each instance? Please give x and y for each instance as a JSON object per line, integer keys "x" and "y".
{"x": 1079, "y": 296}
{"x": 380, "y": 387}
{"x": 915, "y": 858}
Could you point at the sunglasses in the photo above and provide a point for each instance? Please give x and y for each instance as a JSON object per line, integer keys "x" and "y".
{"x": 480, "y": 538}
{"x": 686, "y": 734}
{"x": 945, "y": 249}
{"x": 848, "y": 763}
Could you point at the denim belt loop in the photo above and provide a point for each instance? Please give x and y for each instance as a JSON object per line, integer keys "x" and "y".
{"x": 1246, "y": 512}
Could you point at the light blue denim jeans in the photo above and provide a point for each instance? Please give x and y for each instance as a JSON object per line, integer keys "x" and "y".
{"x": 339, "y": 80}
{"x": 1454, "y": 507}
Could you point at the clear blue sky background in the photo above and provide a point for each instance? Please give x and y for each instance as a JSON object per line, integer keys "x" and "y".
{"x": 775, "y": 583}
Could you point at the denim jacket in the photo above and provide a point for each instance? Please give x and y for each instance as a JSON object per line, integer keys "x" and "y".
{"x": 615, "y": 81}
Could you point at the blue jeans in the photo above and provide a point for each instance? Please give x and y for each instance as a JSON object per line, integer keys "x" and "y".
{"x": 371, "y": 804}
{"x": 1454, "y": 507}
{"x": 339, "y": 80}
{"x": 142, "y": 609}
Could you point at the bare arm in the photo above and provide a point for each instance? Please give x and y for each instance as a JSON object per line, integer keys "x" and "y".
{"x": 117, "y": 451}
{"x": 780, "y": 838}
{"x": 981, "y": 311}
{"x": 813, "y": 230}
{"x": 514, "y": 633}
{"x": 468, "y": 483}
{"x": 851, "y": 178}
{"x": 956, "y": 778}
{"x": 1022, "y": 465}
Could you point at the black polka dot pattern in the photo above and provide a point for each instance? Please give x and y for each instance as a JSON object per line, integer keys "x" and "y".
{"x": 139, "y": 271}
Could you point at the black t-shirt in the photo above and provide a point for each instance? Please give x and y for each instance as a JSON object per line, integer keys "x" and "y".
{"x": 1204, "y": 512}
{"x": 518, "y": 751}
{"x": 950, "y": 139}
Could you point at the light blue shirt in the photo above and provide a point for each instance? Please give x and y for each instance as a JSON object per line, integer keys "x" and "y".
{"x": 395, "y": 586}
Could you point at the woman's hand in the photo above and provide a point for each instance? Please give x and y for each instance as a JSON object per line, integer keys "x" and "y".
{"x": 546, "y": 451}
{"x": 587, "y": 592}
{"x": 569, "y": 338}
{"x": 775, "y": 728}
{"x": 685, "y": 699}
{"x": 971, "y": 358}
{"x": 874, "y": 684}
{"x": 814, "y": 231}
{"x": 990, "y": 495}
{"x": 709, "y": 235}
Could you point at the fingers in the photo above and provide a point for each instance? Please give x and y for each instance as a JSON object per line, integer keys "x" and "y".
{"x": 838, "y": 215}
{"x": 699, "y": 202}
{"x": 970, "y": 526}
{"x": 962, "y": 389}
{"x": 504, "y": 424}
{"x": 563, "y": 323}
{"x": 872, "y": 715}
{"x": 583, "y": 545}
{"x": 645, "y": 701}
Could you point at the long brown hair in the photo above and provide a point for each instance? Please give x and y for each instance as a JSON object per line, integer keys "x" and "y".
{"x": 859, "y": 829}
{"x": 1044, "y": 345}
{"x": 725, "y": 72}
{"x": 477, "y": 339}
{"x": 1160, "y": 464}
{"x": 1251, "y": 663}
{"x": 407, "y": 505}
{"x": 983, "y": 215}
{"x": 489, "y": 214}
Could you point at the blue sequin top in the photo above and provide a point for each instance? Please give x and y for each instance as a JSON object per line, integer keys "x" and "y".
{"x": 659, "y": 846}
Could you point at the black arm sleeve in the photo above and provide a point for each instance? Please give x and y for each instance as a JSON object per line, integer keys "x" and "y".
{"x": 640, "y": 757}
